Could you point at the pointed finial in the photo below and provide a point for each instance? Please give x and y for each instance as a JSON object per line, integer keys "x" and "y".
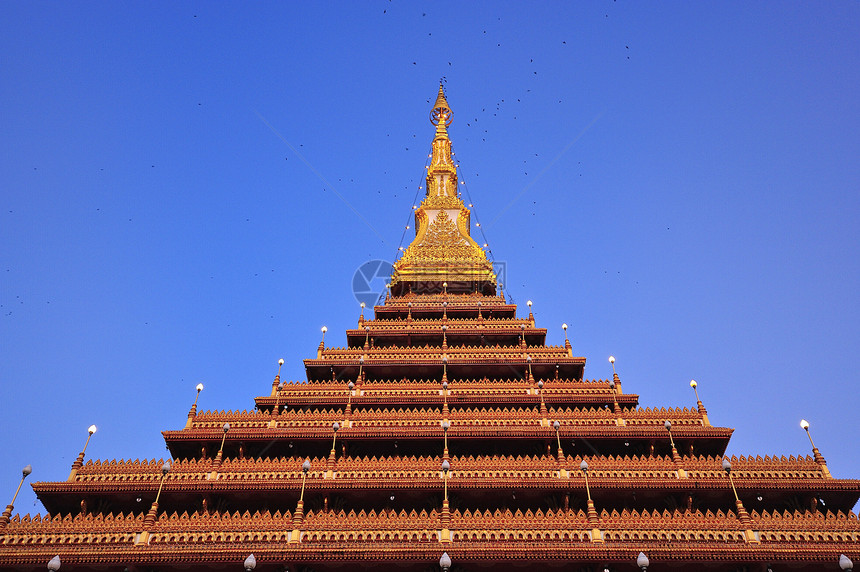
{"x": 441, "y": 113}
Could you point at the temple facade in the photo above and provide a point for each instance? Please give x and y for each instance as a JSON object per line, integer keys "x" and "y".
{"x": 445, "y": 435}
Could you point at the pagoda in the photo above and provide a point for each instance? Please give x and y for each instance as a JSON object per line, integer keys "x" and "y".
{"x": 446, "y": 434}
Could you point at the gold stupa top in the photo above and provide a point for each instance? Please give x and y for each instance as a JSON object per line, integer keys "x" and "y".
{"x": 443, "y": 250}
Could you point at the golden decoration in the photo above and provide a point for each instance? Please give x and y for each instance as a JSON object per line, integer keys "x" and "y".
{"x": 443, "y": 249}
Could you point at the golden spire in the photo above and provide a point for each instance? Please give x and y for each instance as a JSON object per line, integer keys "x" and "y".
{"x": 441, "y": 115}
{"x": 443, "y": 250}
{"x": 442, "y": 173}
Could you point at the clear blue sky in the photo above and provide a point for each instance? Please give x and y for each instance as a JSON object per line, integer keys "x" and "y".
{"x": 678, "y": 181}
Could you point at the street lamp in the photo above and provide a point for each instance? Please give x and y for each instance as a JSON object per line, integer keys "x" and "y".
{"x": 743, "y": 515}
{"x": 445, "y": 562}
{"x": 334, "y": 426}
{"x": 165, "y": 468}
{"x": 556, "y": 425}
{"x": 299, "y": 514}
{"x": 615, "y": 407}
{"x": 199, "y": 388}
{"x": 192, "y": 413}
{"x": 668, "y": 426}
{"x": 642, "y": 562}
{"x": 306, "y": 466}
{"x": 583, "y": 466}
{"x": 699, "y": 405}
{"x": 727, "y": 467}
{"x": 250, "y": 563}
{"x": 54, "y": 564}
{"x": 695, "y": 387}
{"x": 564, "y": 327}
{"x": 804, "y": 424}
{"x": 845, "y": 563}
{"x": 80, "y": 460}
{"x": 592, "y": 512}
{"x": 445, "y": 519}
{"x": 7, "y": 514}
{"x": 276, "y": 385}
{"x": 445, "y": 426}
{"x": 225, "y": 428}
{"x": 149, "y": 520}
{"x": 349, "y": 387}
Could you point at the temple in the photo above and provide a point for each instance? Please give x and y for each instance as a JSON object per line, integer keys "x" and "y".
{"x": 445, "y": 435}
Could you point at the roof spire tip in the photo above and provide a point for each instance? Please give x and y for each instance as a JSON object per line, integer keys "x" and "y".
{"x": 441, "y": 112}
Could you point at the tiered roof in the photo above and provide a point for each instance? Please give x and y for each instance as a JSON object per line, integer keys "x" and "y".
{"x": 446, "y": 424}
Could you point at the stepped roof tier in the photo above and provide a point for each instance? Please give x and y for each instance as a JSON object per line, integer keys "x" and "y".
{"x": 445, "y": 424}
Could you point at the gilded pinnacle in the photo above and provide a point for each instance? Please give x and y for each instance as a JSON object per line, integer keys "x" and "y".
{"x": 441, "y": 114}
{"x": 443, "y": 252}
